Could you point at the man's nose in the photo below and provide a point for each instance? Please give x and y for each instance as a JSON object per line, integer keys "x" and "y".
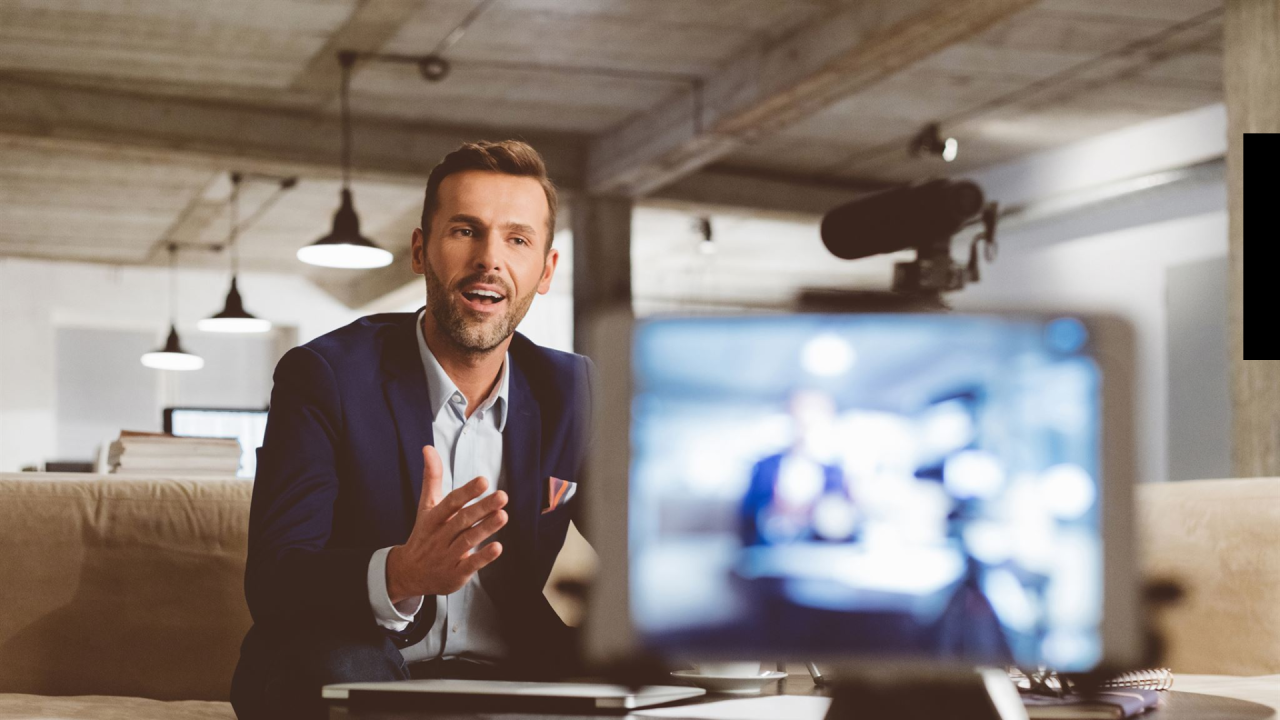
{"x": 488, "y": 252}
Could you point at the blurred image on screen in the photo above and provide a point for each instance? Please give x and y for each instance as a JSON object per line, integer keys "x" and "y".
{"x": 923, "y": 485}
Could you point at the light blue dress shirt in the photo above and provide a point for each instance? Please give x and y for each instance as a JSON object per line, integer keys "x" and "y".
{"x": 466, "y": 623}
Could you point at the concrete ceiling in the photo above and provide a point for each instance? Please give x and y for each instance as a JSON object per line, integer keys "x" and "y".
{"x": 1059, "y": 72}
{"x": 119, "y": 120}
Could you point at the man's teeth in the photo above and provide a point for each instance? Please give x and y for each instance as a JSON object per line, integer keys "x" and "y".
{"x": 486, "y": 294}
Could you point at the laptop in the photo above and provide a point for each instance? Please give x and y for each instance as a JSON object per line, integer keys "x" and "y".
{"x": 503, "y": 696}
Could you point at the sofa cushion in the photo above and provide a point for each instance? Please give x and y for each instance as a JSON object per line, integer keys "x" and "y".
{"x": 118, "y": 586}
{"x": 1221, "y": 540}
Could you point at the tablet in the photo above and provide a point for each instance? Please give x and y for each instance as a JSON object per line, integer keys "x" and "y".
{"x": 943, "y": 488}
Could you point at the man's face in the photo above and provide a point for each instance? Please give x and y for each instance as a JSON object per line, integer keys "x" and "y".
{"x": 486, "y": 256}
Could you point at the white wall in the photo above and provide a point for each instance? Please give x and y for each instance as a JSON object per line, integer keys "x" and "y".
{"x": 1200, "y": 412}
{"x": 758, "y": 262}
{"x": 37, "y": 298}
{"x": 1122, "y": 272}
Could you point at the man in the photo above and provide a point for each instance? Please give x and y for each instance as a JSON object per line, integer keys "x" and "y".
{"x": 798, "y": 494}
{"x": 418, "y": 471}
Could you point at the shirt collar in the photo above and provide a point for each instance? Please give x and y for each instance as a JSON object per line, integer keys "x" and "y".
{"x": 440, "y": 387}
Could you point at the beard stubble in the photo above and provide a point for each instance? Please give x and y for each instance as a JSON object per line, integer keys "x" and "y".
{"x": 473, "y": 335}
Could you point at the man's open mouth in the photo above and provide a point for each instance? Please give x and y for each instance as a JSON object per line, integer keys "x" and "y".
{"x": 483, "y": 297}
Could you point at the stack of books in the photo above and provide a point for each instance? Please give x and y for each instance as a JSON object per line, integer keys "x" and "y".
{"x": 157, "y": 454}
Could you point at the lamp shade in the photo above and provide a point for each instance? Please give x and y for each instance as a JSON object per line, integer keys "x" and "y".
{"x": 172, "y": 356}
{"x": 344, "y": 246}
{"x": 234, "y": 318}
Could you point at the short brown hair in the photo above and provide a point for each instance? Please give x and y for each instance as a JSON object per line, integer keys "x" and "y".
{"x": 510, "y": 157}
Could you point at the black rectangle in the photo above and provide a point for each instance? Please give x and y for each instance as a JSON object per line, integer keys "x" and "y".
{"x": 1260, "y": 341}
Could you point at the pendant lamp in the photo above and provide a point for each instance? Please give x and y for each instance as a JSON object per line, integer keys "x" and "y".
{"x": 172, "y": 356}
{"x": 344, "y": 246}
{"x": 234, "y": 318}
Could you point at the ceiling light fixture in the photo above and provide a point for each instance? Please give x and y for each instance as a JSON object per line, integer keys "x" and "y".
{"x": 707, "y": 246}
{"x": 344, "y": 246}
{"x": 172, "y": 356}
{"x": 234, "y": 318}
{"x": 929, "y": 140}
{"x": 433, "y": 68}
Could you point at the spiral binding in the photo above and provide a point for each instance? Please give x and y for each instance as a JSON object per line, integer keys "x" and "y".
{"x": 1042, "y": 681}
{"x": 1154, "y": 679}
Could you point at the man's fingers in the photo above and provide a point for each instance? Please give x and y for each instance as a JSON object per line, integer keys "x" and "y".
{"x": 432, "y": 479}
{"x": 472, "y": 514}
{"x": 474, "y": 562}
{"x": 454, "y": 501}
{"x": 478, "y": 534}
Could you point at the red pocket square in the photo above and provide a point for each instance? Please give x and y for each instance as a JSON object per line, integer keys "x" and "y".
{"x": 558, "y": 493}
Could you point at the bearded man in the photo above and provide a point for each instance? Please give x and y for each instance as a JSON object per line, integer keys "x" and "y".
{"x": 419, "y": 469}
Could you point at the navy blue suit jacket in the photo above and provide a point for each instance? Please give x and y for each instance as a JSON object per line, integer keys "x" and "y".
{"x": 340, "y": 473}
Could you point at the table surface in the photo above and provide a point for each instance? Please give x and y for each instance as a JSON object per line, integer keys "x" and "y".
{"x": 1194, "y": 697}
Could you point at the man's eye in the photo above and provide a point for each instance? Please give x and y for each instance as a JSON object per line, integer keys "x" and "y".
{"x": 465, "y": 232}
{"x": 520, "y": 241}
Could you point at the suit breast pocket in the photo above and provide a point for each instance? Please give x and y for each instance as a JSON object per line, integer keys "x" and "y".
{"x": 557, "y": 494}
{"x": 559, "y": 498}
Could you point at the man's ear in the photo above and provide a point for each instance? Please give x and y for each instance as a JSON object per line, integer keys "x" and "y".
{"x": 548, "y": 269}
{"x": 418, "y": 251}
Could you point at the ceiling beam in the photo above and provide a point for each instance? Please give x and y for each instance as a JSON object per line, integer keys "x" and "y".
{"x": 1139, "y": 151}
{"x": 758, "y": 193}
{"x": 221, "y": 135}
{"x": 371, "y": 25}
{"x": 765, "y": 89}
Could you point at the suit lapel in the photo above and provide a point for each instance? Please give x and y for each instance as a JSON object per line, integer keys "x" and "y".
{"x": 520, "y": 457}
{"x": 410, "y": 403}
{"x": 522, "y": 444}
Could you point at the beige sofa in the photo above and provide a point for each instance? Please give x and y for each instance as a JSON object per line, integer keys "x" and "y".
{"x": 122, "y": 598}
{"x": 1221, "y": 539}
{"x": 120, "y": 587}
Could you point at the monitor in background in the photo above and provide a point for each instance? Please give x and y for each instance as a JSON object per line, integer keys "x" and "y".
{"x": 948, "y": 488}
{"x": 246, "y": 425}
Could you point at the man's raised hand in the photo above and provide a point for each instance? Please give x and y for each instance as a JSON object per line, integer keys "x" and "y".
{"x": 440, "y": 556}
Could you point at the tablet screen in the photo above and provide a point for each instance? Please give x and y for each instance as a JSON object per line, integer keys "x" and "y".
{"x": 917, "y": 485}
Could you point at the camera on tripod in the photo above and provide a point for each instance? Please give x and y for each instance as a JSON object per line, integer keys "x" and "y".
{"x": 922, "y": 217}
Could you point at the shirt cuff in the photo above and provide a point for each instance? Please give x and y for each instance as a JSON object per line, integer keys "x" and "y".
{"x": 394, "y": 617}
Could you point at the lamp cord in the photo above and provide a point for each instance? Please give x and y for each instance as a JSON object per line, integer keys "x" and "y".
{"x": 173, "y": 287}
{"x": 456, "y": 34}
{"x": 233, "y": 213}
{"x": 347, "y": 61}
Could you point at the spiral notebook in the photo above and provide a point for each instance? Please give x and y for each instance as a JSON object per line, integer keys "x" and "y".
{"x": 1153, "y": 679}
{"x": 1051, "y": 683}
{"x": 1123, "y": 696}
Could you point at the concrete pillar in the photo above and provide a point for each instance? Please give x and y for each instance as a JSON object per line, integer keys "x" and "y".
{"x": 1252, "y": 77}
{"x": 601, "y": 261}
